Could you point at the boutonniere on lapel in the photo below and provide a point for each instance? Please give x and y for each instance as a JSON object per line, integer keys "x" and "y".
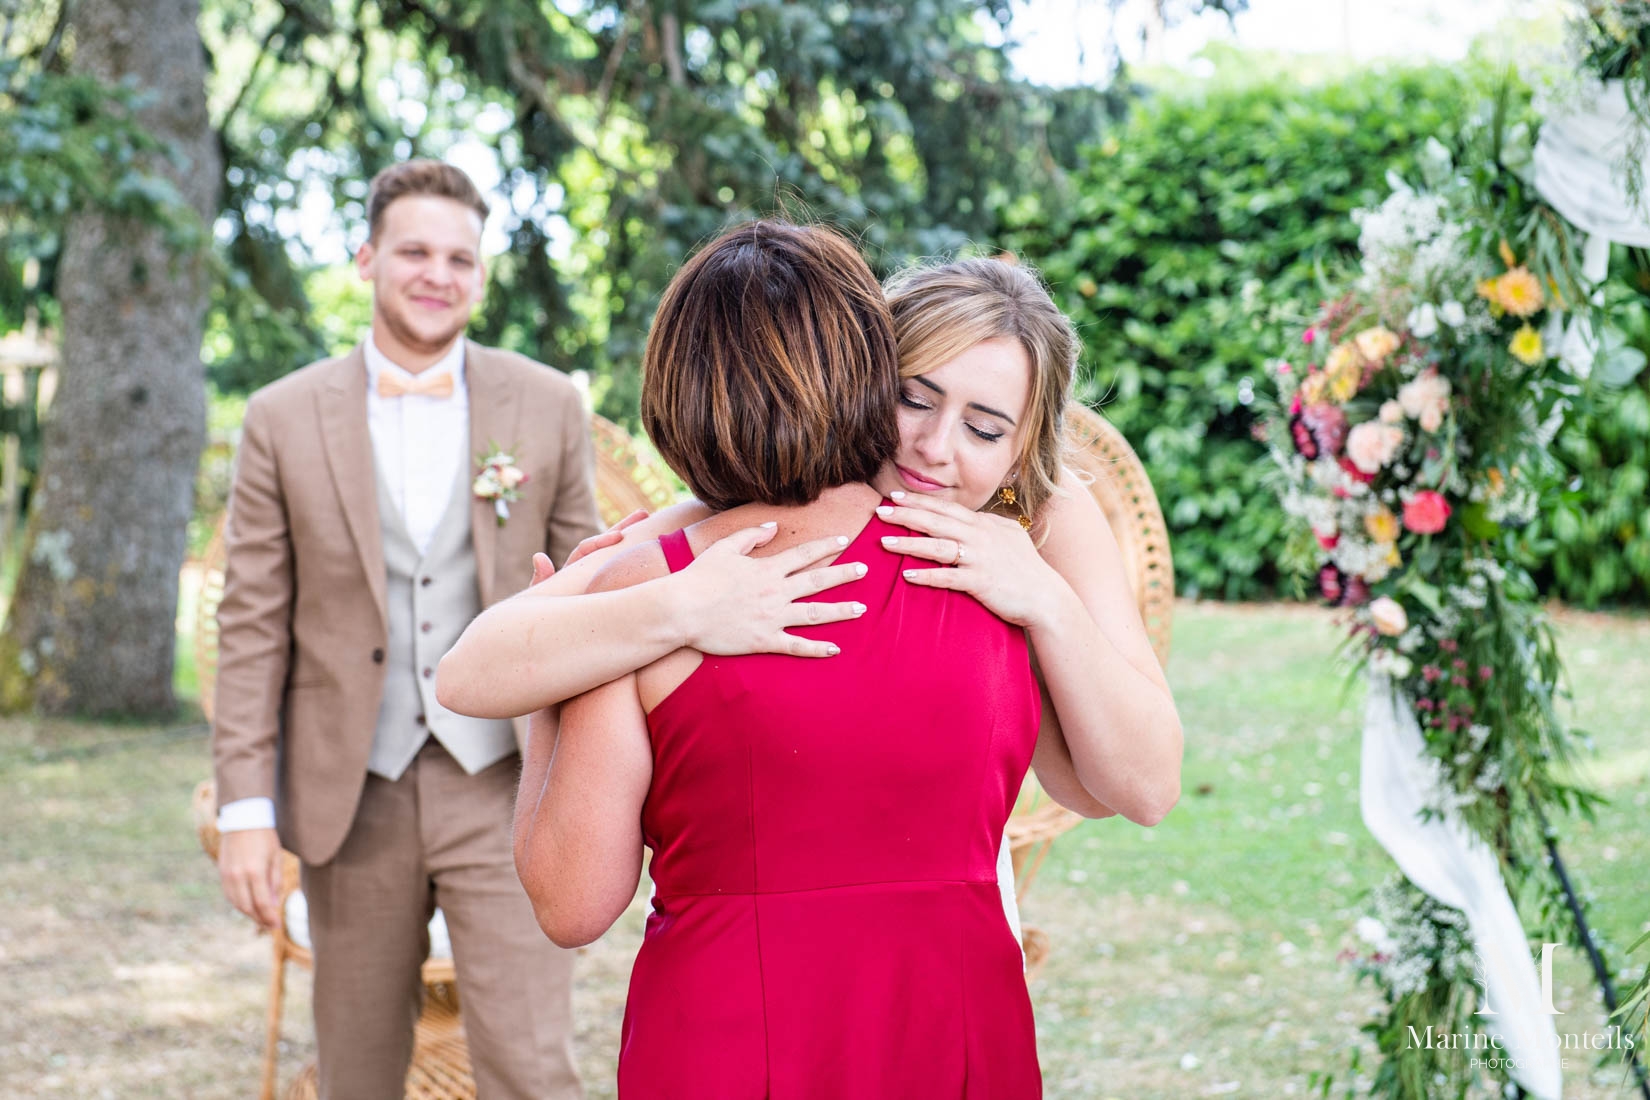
{"x": 499, "y": 480}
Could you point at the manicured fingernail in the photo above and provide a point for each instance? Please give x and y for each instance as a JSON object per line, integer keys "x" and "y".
{"x": 842, "y": 540}
{"x": 909, "y": 573}
{"x": 887, "y": 540}
{"x": 860, "y": 569}
{"x": 896, "y": 495}
{"x": 770, "y": 523}
{"x": 859, "y": 609}
{"x": 833, "y": 650}
{"x": 884, "y": 511}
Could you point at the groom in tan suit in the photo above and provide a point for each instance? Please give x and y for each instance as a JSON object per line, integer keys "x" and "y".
{"x": 360, "y": 544}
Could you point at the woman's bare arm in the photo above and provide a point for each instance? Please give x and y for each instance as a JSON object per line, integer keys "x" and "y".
{"x": 585, "y": 776}
{"x": 556, "y": 640}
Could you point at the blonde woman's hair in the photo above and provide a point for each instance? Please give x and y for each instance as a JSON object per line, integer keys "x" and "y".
{"x": 940, "y": 311}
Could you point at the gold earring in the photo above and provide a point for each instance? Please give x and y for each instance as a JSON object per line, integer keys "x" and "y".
{"x": 1006, "y": 496}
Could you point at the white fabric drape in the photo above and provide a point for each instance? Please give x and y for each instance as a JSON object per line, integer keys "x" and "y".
{"x": 1448, "y": 861}
{"x": 1579, "y": 167}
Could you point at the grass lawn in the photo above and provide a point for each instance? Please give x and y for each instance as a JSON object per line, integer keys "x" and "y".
{"x": 1193, "y": 959}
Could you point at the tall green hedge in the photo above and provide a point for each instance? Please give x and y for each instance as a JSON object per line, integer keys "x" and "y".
{"x": 1200, "y": 230}
{"x": 1594, "y": 547}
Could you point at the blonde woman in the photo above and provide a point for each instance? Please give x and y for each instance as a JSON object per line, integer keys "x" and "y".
{"x": 986, "y": 362}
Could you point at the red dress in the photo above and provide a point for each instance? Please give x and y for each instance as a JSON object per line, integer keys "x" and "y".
{"x": 827, "y": 923}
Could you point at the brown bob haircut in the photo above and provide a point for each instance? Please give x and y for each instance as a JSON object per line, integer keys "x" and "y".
{"x": 420, "y": 177}
{"x": 771, "y": 373}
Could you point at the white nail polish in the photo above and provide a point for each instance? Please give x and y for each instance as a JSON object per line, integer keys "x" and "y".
{"x": 770, "y": 523}
{"x": 884, "y": 511}
{"x": 860, "y": 569}
{"x": 896, "y": 495}
{"x": 842, "y": 540}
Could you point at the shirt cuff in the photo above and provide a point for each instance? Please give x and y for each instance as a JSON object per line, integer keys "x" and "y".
{"x": 246, "y": 813}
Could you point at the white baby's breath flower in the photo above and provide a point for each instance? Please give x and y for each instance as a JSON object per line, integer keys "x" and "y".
{"x": 1422, "y": 321}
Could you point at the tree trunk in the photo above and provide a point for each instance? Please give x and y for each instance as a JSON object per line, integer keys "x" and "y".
{"x": 91, "y": 626}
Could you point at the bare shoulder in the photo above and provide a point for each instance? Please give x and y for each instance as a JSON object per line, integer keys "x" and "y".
{"x": 665, "y": 520}
{"x": 1072, "y": 521}
{"x": 637, "y": 565}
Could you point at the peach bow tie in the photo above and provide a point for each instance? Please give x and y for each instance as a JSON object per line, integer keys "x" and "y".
{"x": 393, "y": 385}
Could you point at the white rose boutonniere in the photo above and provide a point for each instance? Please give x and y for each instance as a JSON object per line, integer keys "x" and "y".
{"x": 499, "y": 480}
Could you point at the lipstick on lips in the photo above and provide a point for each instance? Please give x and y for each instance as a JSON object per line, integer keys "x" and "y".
{"x": 914, "y": 480}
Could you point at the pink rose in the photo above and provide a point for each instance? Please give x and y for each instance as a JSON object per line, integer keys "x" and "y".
{"x": 1425, "y": 512}
{"x": 1426, "y": 399}
{"x": 1388, "y": 616}
{"x": 1327, "y": 423}
{"x": 1372, "y": 445}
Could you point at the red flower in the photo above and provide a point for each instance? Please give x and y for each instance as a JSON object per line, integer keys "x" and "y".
{"x": 1302, "y": 435}
{"x": 1357, "y": 592}
{"x": 1426, "y": 512}
{"x": 1332, "y": 583}
{"x": 1355, "y": 473}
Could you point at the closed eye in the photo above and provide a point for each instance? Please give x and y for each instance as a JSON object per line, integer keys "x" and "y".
{"x": 989, "y": 437}
{"x": 910, "y": 402}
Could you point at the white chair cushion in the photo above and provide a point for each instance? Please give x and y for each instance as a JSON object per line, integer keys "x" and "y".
{"x": 297, "y": 927}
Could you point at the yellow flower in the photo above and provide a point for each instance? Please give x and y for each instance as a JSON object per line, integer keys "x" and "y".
{"x": 1382, "y": 525}
{"x": 1393, "y": 558}
{"x": 1344, "y": 385}
{"x": 1526, "y": 346}
{"x": 1110, "y": 147}
{"x": 1498, "y": 483}
{"x": 1312, "y": 388}
{"x": 1490, "y": 291}
{"x": 1376, "y": 343}
{"x": 1507, "y": 256}
{"x": 1343, "y": 372}
{"x": 1519, "y": 292}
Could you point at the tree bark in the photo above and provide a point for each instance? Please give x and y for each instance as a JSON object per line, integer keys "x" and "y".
{"x": 91, "y": 626}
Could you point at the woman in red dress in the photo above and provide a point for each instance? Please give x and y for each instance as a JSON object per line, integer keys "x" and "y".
{"x": 824, "y": 833}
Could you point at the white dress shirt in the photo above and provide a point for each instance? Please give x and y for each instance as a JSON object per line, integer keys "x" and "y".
{"x": 419, "y": 445}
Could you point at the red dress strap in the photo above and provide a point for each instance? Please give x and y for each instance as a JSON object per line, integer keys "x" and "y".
{"x": 678, "y": 554}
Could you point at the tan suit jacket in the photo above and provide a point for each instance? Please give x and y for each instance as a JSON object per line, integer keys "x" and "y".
{"x": 303, "y": 623}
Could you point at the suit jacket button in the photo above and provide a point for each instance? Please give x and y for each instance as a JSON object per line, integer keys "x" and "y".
{"x": 421, "y": 720}
{"x": 425, "y": 627}
{"x": 425, "y": 581}
{"x": 378, "y": 656}
{"x": 428, "y": 673}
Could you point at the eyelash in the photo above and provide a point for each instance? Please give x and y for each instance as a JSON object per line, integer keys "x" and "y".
{"x": 911, "y": 403}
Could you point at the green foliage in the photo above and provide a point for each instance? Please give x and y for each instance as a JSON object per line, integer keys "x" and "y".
{"x": 1593, "y": 546}
{"x": 626, "y": 135}
{"x": 1200, "y": 223}
{"x": 69, "y": 144}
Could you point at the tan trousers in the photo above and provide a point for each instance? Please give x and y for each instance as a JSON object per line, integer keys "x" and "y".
{"x": 436, "y": 836}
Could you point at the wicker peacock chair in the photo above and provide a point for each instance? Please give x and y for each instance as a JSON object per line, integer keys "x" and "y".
{"x": 626, "y": 479}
